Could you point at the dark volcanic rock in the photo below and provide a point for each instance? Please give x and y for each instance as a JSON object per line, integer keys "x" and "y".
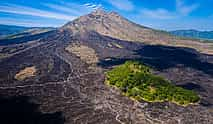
{"x": 19, "y": 110}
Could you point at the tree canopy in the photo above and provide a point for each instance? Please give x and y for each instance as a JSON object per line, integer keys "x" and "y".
{"x": 135, "y": 80}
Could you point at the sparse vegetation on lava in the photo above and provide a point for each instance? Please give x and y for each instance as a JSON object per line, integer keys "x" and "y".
{"x": 136, "y": 81}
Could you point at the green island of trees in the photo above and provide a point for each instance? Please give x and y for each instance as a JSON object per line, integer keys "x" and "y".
{"x": 135, "y": 80}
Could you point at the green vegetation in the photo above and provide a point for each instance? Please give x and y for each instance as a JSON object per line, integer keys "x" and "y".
{"x": 136, "y": 81}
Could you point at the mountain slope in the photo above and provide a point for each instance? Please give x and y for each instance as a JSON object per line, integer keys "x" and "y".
{"x": 208, "y": 35}
{"x": 113, "y": 25}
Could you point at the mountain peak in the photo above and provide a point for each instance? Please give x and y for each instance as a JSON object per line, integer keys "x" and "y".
{"x": 106, "y": 23}
{"x": 112, "y": 24}
{"x": 99, "y": 11}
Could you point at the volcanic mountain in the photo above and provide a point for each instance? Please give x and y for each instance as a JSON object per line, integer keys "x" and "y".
{"x": 113, "y": 25}
{"x": 58, "y": 77}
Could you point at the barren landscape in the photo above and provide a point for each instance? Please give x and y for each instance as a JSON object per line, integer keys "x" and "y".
{"x": 66, "y": 69}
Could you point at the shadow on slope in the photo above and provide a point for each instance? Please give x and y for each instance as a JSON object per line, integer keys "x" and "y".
{"x": 164, "y": 57}
{"x": 19, "y": 110}
{"x": 192, "y": 86}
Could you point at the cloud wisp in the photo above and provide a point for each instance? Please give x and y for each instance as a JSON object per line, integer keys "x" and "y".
{"x": 23, "y": 10}
{"x": 126, "y": 5}
{"x": 158, "y": 13}
{"x": 185, "y": 9}
{"x": 30, "y": 22}
{"x": 62, "y": 12}
{"x": 73, "y": 9}
{"x": 58, "y": 13}
{"x": 161, "y": 13}
{"x": 63, "y": 8}
{"x": 92, "y": 6}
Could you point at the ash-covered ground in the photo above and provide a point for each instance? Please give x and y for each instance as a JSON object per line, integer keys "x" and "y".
{"x": 67, "y": 89}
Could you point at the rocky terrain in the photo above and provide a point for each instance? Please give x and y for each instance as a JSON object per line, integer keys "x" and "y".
{"x": 67, "y": 86}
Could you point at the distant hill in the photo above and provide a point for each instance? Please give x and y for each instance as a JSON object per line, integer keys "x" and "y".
{"x": 11, "y": 29}
{"x": 26, "y": 35}
{"x": 29, "y": 32}
{"x": 208, "y": 35}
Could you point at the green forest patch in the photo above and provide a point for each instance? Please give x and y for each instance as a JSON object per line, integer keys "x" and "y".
{"x": 135, "y": 80}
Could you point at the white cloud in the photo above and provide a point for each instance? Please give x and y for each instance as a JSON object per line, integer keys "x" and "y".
{"x": 92, "y": 6}
{"x": 30, "y": 23}
{"x": 87, "y": 4}
{"x": 72, "y": 8}
{"x": 161, "y": 13}
{"x": 126, "y": 5}
{"x": 63, "y": 8}
{"x": 55, "y": 15}
{"x": 158, "y": 13}
{"x": 23, "y": 10}
{"x": 185, "y": 9}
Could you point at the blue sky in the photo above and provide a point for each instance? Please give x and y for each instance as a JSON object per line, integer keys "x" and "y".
{"x": 158, "y": 14}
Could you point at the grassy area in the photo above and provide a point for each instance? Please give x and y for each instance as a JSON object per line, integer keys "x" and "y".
{"x": 136, "y": 81}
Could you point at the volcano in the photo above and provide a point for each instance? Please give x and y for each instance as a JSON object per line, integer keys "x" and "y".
{"x": 58, "y": 76}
